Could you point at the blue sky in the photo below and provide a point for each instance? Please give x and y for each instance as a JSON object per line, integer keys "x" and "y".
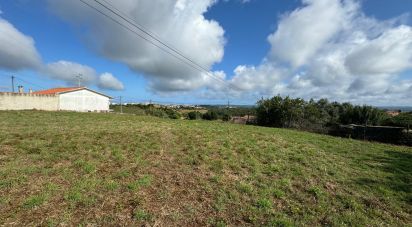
{"x": 246, "y": 29}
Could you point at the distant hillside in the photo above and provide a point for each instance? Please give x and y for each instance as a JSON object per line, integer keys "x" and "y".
{"x": 60, "y": 168}
{"x": 395, "y": 108}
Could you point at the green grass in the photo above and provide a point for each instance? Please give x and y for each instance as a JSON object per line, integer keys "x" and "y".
{"x": 109, "y": 169}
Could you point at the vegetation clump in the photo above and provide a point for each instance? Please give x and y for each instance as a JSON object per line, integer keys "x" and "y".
{"x": 210, "y": 115}
{"x": 314, "y": 115}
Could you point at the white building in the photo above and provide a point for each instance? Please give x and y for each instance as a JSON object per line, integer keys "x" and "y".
{"x": 80, "y": 99}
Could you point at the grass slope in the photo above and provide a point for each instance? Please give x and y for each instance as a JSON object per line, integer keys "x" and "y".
{"x": 106, "y": 169}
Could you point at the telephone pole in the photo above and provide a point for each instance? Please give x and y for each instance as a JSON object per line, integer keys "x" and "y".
{"x": 12, "y": 83}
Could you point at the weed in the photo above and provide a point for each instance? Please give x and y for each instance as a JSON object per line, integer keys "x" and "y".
{"x": 317, "y": 192}
{"x": 245, "y": 188}
{"x": 34, "y": 201}
{"x": 278, "y": 193}
{"x": 87, "y": 167}
{"x": 264, "y": 204}
{"x": 142, "y": 215}
{"x": 122, "y": 174}
{"x": 141, "y": 182}
{"x": 111, "y": 185}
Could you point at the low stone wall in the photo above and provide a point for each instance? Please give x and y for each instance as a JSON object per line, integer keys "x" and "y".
{"x": 25, "y": 101}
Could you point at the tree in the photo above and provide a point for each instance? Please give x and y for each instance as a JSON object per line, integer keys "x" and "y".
{"x": 210, "y": 115}
{"x": 193, "y": 115}
{"x": 313, "y": 115}
{"x": 226, "y": 117}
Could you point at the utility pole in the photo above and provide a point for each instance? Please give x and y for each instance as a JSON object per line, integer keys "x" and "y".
{"x": 121, "y": 105}
{"x": 79, "y": 79}
{"x": 12, "y": 83}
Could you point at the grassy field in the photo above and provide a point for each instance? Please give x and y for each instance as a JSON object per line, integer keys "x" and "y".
{"x": 108, "y": 169}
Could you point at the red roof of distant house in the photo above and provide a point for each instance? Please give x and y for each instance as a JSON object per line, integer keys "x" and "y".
{"x": 54, "y": 91}
{"x": 59, "y": 90}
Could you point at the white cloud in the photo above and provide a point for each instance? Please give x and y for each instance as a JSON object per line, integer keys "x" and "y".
{"x": 304, "y": 31}
{"x": 108, "y": 81}
{"x": 261, "y": 79}
{"x": 390, "y": 53}
{"x": 17, "y": 51}
{"x": 179, "y": 23}
{"x": 69, "y": 72}
{"x": 323, "y": 49}
{"x": 334, "y": 51}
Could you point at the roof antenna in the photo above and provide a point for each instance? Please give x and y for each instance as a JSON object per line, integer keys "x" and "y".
{"x": 79, "y": 79}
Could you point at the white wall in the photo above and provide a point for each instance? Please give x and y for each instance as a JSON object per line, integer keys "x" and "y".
{"x": 83, "y": 101}
{"x": 25, "y": 101}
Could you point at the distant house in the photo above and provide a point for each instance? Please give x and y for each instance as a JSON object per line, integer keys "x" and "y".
{"x": 393, "y": 113}
{"x": 244, "y": 120}
{"x": 80, "y": 99}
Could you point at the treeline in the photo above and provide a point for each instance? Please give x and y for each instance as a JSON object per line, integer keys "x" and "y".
{"x": 210, "y": 115}
{"x": 221, "y": 113}
{"x": 314, "y": 115}
{"x": 213, "y": 112}
{"x": 232, "y": 110}
{"x": 150, "y": 110}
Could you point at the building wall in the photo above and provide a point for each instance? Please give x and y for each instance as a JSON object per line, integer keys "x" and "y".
{"x": 83, "y": 101}
{"x": 25, "y": 101}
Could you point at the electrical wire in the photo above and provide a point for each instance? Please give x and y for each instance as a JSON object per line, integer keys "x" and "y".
{"x": 167, "y": 48}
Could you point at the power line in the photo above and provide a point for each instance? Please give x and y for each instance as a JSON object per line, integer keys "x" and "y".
{"x": 27, "y": 82}
{"x": 24, "y": 81}
{"x": 150, "y": 34}
{"x": 165, "y": 47}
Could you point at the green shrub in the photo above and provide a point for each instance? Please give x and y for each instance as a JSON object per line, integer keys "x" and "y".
{"x": 226, "y": 117}
{"x": 193, "y": 115}
{"x": 210, "y": 116}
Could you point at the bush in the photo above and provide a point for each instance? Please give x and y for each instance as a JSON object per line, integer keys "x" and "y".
{"x": 172, "y": 114}
{"x": 402, "y": 120}
{"x": 210, "y": 116}
{"x": 226, "y": 117}
{"x": 193, "y": 115}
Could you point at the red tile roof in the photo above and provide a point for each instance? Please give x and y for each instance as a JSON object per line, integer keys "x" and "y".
{"x": 54, "y": 91}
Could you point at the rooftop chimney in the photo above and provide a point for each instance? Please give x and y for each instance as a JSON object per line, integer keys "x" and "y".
{"x": 21, "y": 90}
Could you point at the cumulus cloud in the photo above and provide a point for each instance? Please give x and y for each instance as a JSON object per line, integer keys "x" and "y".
{"x": 70, "y": 71}
{"x": 180, "y": 23}
{"x": 334, "y": 51}
{"x": 323, "y": 49}
{"x": 261, "y": 79}
{"x": 301, "y": 33}
{"x": 17, "y": 51}
{"x": 109, "y": 82}
{"x": 389, "y": 53}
